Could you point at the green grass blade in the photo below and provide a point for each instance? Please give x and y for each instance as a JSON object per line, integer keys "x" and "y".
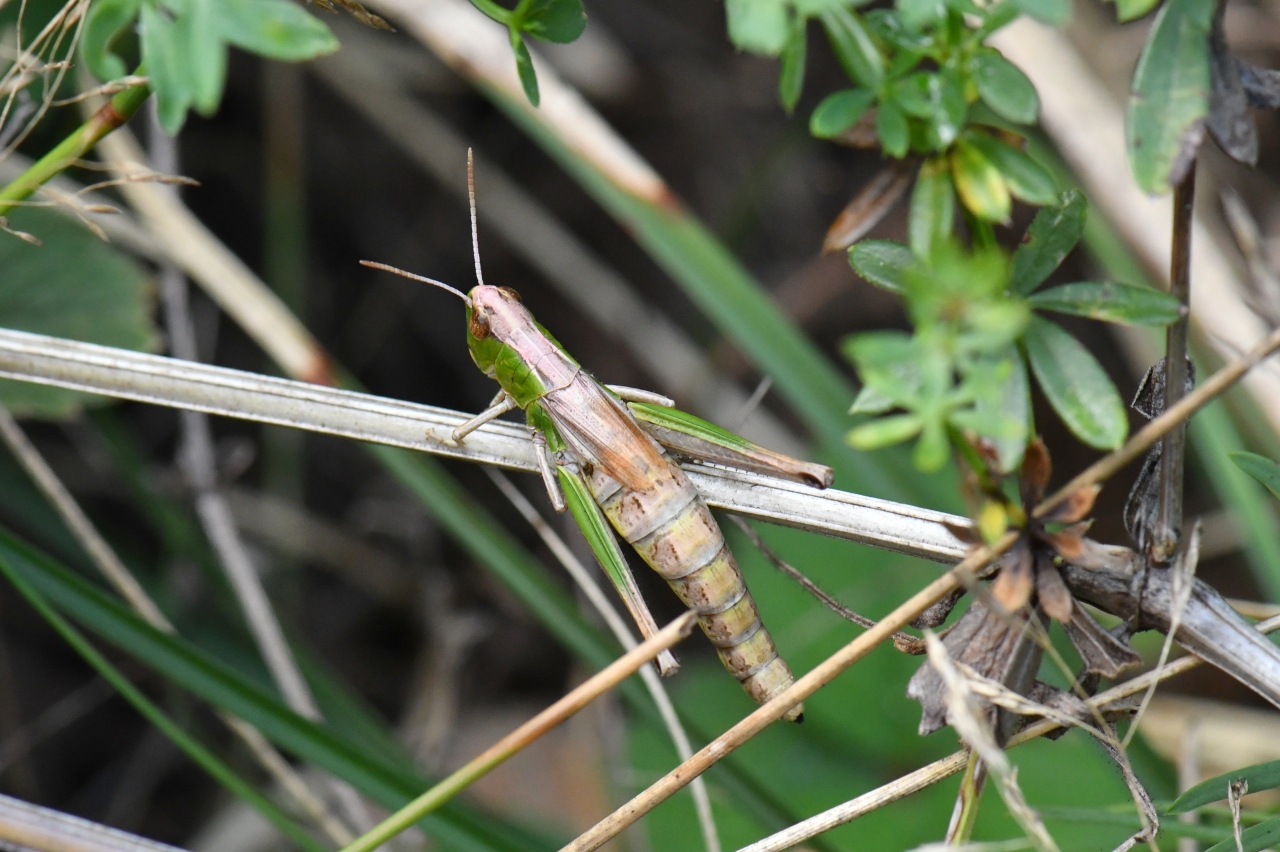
{"x": 220, "y": 685}
{"x": 206, "y": 759}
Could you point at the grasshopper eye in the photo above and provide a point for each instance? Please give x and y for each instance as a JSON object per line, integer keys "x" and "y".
{"x": 511, "y": 294}
{"x": 479, "y": 326}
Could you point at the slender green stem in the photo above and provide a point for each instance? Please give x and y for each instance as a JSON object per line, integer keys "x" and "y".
{"x": 493, "y": 10}
{"x": 1173, "y": 450}
{"x": 111, "y": 115}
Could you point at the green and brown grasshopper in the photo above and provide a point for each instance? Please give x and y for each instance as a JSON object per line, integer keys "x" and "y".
{"x": 603, "y": 453}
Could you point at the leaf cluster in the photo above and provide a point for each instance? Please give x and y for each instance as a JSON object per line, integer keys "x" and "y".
{"x": 559, "y": 21}
{"x": 183, "y": 44}
{"x": 978, "y": 330}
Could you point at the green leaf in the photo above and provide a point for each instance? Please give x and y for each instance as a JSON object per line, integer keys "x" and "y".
{"x": 979, "y": 183}
{"x": 883, "y": 263}
{"x": 933, "y": 449}
{"x": 164, "y": 55}
{"x": 1169, "y": 98}
{"x": 1026, "y": 179}
{"x": 1267, "y": 472}
{"x": 524, "y": 67}
{"x": 885, "y": 431}
{"x": 758, "y": 26}
{"x": 871, "y": 401}
{"x": 1264, "y": 835}
{"x": 918, "y": 14}
{"x": 1004, "y": 87}
{"x": 936, "y": 98}
{"x": 933, "y": 205}
{"x": 207, "y": 59}
{"x": 1076, "y": 385}
{"x": 105, "y": 20}
{"x": 1131, "y": 10}
{"x": 1053, "y": 12}
{"x": 853, "y": 46}
{"x": 791, "y": 79}
{"x": 276, "y": 29}
{"x": 1110, "y": 302}
{"x": 74, "y": 286}
{"x": 891, "y": 127}
{"x": 1052, "y": 235}
{"x": 839, "y": 111}
{"x": 1012, "y": 401}
{"x": 559, "y": 21}
{"x": 1261, "y": 776}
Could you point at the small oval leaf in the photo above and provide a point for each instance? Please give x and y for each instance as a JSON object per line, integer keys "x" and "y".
{"x": 1026, "y": 179}
{"x": 884, "y": 431}
{"x": 1076, "y": 385}
{"x": 839, "y": 111}
{"x": 933, "y": 204}
{"x": 1052, "y": 235}
{"x": 979, "y": 183}
{"x": 1267, "y": 472}
{"x": 883, "y": 263}
{"x": 1110, "y": 302}
{"x": 891, "y": 127}
{"x": 1004, "y": 87}
{"x": 853, "y": 46}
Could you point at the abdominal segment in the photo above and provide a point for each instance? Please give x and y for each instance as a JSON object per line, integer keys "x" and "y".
{"x": 673, "y": 531}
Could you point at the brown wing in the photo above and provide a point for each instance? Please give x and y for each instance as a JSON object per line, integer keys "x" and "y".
{"x": 596, "y": 426}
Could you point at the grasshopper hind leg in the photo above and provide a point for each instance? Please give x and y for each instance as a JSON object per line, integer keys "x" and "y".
{"x": 501, "y": 405}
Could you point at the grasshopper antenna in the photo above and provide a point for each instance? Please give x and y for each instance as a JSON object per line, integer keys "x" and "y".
{"x": 373, "y": 264}
{"x": 471, "y": 196}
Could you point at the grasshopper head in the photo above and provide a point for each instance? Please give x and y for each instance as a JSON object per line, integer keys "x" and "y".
{"x": 493, "y": 315}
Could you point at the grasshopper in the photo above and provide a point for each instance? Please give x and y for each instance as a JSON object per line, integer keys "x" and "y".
{"x": 606, "y": 453}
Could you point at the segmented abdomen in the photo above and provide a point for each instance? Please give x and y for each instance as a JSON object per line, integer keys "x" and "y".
{"x": 673, "y": 531}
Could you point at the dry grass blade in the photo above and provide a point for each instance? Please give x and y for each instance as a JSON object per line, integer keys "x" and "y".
{"x": 232, "y": 393}
{"x": 27, "y": 826}
{"x": 513, "y": 743}
{"x": 973, "y": 726}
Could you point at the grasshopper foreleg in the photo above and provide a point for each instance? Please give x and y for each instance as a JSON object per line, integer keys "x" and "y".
{"x": 547, "y": 467}
{"x": 501, "y": 405}
{"x": 640, "y": 395}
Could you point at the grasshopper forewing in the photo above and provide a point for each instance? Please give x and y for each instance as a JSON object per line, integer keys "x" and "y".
{"x": 605, "y": 460}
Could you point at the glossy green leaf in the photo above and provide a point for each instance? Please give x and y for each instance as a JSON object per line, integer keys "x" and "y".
{"x": 918, "y": 14}
{"x": 854, "y": 47}
{"x": 1261, "y": 776}
{"x": 1110, "y": 302}
{"x": 164, "y": 55}
{"x": 1054, "y": 12}
{"x": 1267, "y": 472}
{"x": 74, "y": 286}
{"x": 1131, "y": 10}
{"x": 1052, "y": 235}
{"x": 937, "y": 99}
{"x": 559, "y": 21}
{"x": 885, "y": 431}
{"x": 791, "y": 77}
{"x": 1004, "y": 87}
{"x": 891, "y": 127}
{"x": 759, "y": 26}
{"x": 979, "y": 183}
{"x": 276, "y": 29}
{"x": 103, "y": 23}
{"x": 1076, "y": 385}
{"x": 883, "y": 263}
{"x": 1170, "y": 95}
{"x": 524, "y": 67}
{"x": 1255, "y": 838}
{"x": 933, "y": 205}
{"x": 1027, "y": 180}
{"x": 839, "y": 111}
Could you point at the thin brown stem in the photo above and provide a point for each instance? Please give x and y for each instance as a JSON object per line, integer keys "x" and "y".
{"x": 1168, "y": 527}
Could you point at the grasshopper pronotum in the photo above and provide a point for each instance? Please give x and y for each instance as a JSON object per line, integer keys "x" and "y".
{"x": 602, "y": 451}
